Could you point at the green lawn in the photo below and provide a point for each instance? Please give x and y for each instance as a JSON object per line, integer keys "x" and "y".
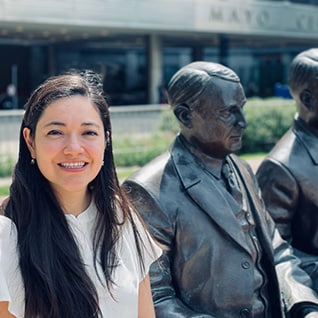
{"x": 253, "y": 155}
{"x": 124, "y": 172}
{"x": 4, "y": 191}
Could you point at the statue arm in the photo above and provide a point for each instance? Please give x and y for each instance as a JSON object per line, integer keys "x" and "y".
{"x": 296, "y": 285}
{"x": 167, "y": 303}
{"x": 162, "y": 226}
{"x": 280, "y": 193}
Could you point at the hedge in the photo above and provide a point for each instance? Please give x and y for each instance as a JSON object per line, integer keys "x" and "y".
{"x": 268, "y": 119}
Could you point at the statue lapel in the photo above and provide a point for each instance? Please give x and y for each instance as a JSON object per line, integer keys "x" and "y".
{"x": 215, "y": 202}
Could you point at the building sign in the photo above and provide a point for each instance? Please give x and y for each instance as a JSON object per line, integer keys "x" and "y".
{"x": 253, "y": 17}
{"x": 216, "y": 16}
{"x": 130, "y": 14}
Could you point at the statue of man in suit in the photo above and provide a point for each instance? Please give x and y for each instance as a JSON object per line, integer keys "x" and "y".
{"x": 288, "y": 176}
{"x": 223, "y": 256}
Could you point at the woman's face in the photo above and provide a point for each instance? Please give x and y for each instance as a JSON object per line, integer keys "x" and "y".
{"x": 68, "y": 144}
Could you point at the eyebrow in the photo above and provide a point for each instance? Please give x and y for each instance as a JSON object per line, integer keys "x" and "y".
{"x": 58, "y": 123}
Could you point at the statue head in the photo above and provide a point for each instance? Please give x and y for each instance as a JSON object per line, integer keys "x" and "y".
{"x": 303, "y": 85}
{"x": 207, "y": 99}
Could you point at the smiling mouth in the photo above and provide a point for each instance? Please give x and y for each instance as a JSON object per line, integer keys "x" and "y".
{"x": 73, "y": 165}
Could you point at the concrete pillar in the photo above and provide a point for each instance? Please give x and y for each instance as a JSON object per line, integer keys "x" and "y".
{"x": 37, "y": 65}
{"x": 197, "y": 53}
{"x": 286, "y": 60}
{"x": 155, "y": 72}
{"x": 51, "y": 60}
{"x": 223, "y": 50}
{"x": 131, "y": 58}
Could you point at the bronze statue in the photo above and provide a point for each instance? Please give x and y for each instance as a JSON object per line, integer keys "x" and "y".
{"x": 288, "y": 176}
{"x": 218, "y": 258}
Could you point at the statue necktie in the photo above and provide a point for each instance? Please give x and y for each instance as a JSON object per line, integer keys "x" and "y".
{"x": 231, "y": 183}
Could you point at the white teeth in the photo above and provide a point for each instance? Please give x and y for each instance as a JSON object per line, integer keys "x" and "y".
{"x": 73, "y": 165}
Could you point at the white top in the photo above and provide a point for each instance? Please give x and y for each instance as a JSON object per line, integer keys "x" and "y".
{"x": 11, "y": 284}
{"x": 126, "y": 276}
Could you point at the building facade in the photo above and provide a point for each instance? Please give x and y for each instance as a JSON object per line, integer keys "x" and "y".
{"x": 138, "y": 44}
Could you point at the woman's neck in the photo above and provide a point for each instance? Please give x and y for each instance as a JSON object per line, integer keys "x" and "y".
{"x": 74, "y": 203}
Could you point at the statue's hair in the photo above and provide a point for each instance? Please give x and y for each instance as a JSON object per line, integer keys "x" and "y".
{"x": 192, "y": 80}
{"x": 303, "y": 70}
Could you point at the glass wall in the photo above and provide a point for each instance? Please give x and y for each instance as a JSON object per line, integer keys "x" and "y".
{"x": 124, "y": 70}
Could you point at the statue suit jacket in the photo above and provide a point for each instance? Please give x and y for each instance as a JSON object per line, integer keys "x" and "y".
{"x": 288, "y": 178}
{"x": 206, "y": 269}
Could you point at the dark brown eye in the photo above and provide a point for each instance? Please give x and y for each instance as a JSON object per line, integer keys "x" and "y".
{"x": 91, "y": 133}
{"x": 54, "y": 132}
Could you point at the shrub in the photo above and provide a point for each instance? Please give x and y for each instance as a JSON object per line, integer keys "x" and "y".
{"x": 168, "y": 122}
{"x": 6, "y": 166}
{"x": 137, "y": 150}
{"x": 268, "y": 120}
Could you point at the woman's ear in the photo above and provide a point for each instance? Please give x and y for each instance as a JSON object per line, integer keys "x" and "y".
{"x": 29, "y": 141}
{"x": 183, "y": 114}
{"x": 306, "y": 97}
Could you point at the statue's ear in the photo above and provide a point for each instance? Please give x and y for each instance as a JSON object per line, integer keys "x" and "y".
{"x": 306, "y": 98}
{"x": 183, "y": 114}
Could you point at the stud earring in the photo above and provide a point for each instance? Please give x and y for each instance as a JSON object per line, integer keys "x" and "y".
{"x": 32, "y": 161}
{"x": 102, "y": 162}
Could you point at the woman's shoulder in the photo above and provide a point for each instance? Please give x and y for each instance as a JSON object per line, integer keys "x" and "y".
{"x": 5, "y": 222}
{"x": 8, "y": 230}
{"x": 11, "y": 283}
{"x": 8, "y": 245}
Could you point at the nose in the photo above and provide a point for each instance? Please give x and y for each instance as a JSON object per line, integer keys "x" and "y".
{"x": 73, "y": 145}
{"x": 241, "y": 120}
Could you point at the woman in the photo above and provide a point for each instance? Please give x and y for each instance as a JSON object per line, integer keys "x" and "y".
{"x": 82, "y": 250}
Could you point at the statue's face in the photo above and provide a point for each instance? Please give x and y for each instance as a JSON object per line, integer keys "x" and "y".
{"x": 218, "y": 122}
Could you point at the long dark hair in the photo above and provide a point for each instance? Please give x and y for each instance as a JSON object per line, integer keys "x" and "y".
{"x": 56, "y": 283}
